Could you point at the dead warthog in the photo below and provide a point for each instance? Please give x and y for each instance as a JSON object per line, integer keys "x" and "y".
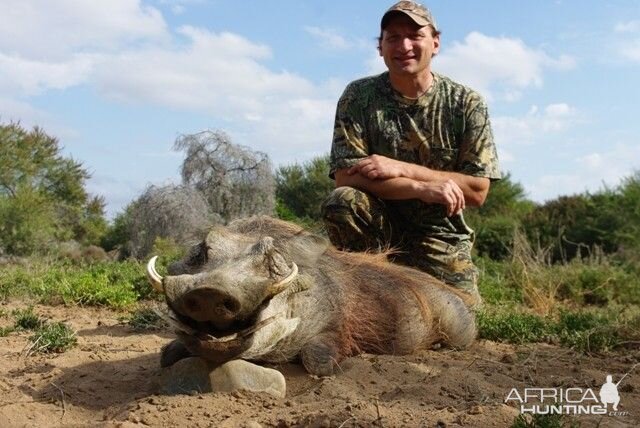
{"x": 264, "y": 289}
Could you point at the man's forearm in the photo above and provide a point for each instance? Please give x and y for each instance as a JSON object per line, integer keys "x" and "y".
{"x": 445, "y": 192}
{"x": 392, "y": 189}
{"x": 475, "y": 189}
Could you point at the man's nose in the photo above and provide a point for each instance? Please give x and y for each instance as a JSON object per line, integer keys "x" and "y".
{"x": 405, "y": 44}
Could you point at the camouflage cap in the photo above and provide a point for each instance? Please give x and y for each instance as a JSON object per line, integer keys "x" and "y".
{"x": 417, "y": 12}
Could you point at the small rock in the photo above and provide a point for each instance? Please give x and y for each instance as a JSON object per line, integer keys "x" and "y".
{"x": 195, "y": 376}
{"x": 476, "y": 410}
{"x": 252, "y": 424}
{"x": 186, "y": 376}
{"x": 239, "y": 374}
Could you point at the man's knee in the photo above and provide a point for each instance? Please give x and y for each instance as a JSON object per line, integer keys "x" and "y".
{"x": 341, "y": 198}
{"x": 354, "y": 220}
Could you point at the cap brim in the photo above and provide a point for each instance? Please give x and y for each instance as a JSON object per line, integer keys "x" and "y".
{"x": 419, "y": 20}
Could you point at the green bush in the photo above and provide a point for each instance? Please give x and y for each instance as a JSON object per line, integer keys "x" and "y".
{"x": 117, "y": 285}
{"x": 300, "y": 189}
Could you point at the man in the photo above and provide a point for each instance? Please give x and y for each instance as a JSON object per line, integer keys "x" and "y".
{"x": 411, "y": 149}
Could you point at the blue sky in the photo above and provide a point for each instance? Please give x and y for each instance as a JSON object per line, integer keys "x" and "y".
{"x": 118, "y": 80}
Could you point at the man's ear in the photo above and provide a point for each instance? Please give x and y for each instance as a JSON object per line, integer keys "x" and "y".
{"x": 436, "y": 45}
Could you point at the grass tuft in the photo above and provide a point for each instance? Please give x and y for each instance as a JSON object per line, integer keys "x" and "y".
{"x": 543, "y": 421}
{"x": 146, "y": 318}
{"x": 5, "y": 331}
{"x": 26, "y": 319}
{"x": 54, "y": 337}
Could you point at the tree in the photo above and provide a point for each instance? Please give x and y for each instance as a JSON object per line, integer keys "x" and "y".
{"x": 42, "y": 193}
{"x": 300, "y": 189}
{"x": 175, "y": 212}
{"x": 236, "y": 181}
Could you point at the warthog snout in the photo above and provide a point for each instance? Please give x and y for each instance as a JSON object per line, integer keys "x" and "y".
{"x": 209, "y": 304}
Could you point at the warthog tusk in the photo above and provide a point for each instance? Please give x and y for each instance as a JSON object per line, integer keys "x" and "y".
{"x": 280, "y": 286}
{"x": 154, "y": 277}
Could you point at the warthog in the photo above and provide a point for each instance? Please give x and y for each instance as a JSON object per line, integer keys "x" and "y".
{"x": 266, "y": 290}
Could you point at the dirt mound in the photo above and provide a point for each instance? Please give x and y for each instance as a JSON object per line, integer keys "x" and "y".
{"x": 110, "y": 379}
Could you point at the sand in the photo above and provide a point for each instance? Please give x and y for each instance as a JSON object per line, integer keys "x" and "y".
{"x": 111, "y": 379}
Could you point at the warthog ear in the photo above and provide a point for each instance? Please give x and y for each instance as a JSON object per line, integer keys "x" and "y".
{"x": 275, "y": 263}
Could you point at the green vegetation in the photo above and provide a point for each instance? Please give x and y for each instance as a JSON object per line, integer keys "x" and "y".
{"x": 300, "y": 189}
{"x": 587, "y": 304}
{"x": 583, "y": 330}
{"x": 52, "y": 337}
{"x": 543, "y": 421}
{"x": 26, "y": 319}
{"x": 47, "y": 337}
{"x": 42, "y": 195}
{"x": 117, "y": 285}
{"x": 145, "y": 318}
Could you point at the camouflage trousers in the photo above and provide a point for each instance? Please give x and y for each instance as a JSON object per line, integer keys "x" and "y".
{"x": 358, "y": 221}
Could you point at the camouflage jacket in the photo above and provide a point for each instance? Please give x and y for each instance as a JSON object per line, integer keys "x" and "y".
{"x": 446, "y": 129}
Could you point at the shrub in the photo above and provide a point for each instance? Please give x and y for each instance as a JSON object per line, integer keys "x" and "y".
{"x": 55, "y": 337}
{"x": 178, "y": 213}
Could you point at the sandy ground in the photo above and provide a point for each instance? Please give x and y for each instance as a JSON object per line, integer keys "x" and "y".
{"x": 111, "y": 379}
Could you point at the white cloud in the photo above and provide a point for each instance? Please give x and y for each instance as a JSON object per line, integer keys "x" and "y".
{"x": 178, "y": 7}
{"x": 628, "y": 27}
{"x": 53, "y": 29}
{"x": 534, "y": 125}
{"x": 31, "y": 77}
{"x": 328, "y": 38}
{"x": 631, "y": 50}
{"x": 589, "y": 172}
{"x": 628, "y": 40}
{"x": 216, "y": 73}
{"x": 485, "y": 63}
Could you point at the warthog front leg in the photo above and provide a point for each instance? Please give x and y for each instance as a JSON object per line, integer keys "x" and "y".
{"x": 320, "y": 356}
{"x": 173, "y": 352}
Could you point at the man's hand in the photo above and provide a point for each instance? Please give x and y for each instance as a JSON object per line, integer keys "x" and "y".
{"x": 379, "y": 167}
{"x": 447, "y": 193}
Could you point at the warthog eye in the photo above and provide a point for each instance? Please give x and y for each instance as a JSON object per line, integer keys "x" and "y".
{"x": 198, "y": 255}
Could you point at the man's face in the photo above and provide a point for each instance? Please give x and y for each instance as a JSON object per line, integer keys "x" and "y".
{"x": 406, "y": 47}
